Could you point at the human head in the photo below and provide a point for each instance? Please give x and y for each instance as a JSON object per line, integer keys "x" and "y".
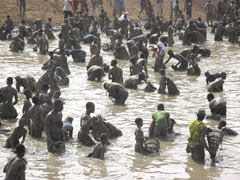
{"x": 105, "y": 67}
{"x": 69, "y": 119}
{"x": 23, "y": 21}
{"x": 139, "y": 122}
{"x": 199, "y": 19}
{"x": 170, "y": 53}
{"x": 160, "y": 107}
{"x": 210, "y": 97}
{"x": 9, "y": 80}
{"x": 133, "y": 60}
{"x": 196, "y": 48}
{"x": 27, "y": 93}
{"x": 103, "y": 138}
{"x": 223, "y": 75}
{"x": 90, "y": 106}
{"x": 125, "y": 16}
{"x": 105, "y": 86}
{"x": 60, "y": 36}
{"x": 162, "y": 72}
{"x": 222, "y": 124}
{"x": 50, "y": 53}
{"x": 207, "y": 74}
{"x": 8, "y": 16}
{"x": 49, "y": 19}
{"x": 58, "y": 105}
{"x": 20, "y": 150}
{"x": 201, "y": 114}
{"x": 45, "y": 87}
{"x": 114, "y": 62}
{"x": 35, "y": 100}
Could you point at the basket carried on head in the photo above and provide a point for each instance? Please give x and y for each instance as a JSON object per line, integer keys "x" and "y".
{"x": 152, "y": 144}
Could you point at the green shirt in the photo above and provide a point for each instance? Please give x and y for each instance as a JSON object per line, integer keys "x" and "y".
{"x": 161, "y": 118}
{"x": 199, "y": 126}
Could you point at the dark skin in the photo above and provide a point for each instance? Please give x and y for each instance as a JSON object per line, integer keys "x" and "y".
{"x": 18, "y": 133}
{"x": 16, "y": 167}
{"x": 54, "y": 124}
{"x": 100, "y": 149}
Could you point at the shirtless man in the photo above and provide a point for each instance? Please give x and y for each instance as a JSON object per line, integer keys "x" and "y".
{"x": 27, "y": 82}
{"x": 63, "y": 63}
{"x": 182, "y": 64}
{"x": 162, "y": 82}
{"x": 134, "y": 68}
{"x": 48, "y": 29}
{"x": 226, "y": 131}
{"x": 47, "y": 106}
{"x": 142, "y": 63}
{"x": 95, "y": 72}
{"x": 194, "y": 69}
{"x": 9, "y": 93}
{"x": 172, "y": 88}
{"x": 96, "y": 60}
{"x": 218, "y": 104}
{"x": 36, "y": 118}
{"x": 26, "y": 106}
{"x": 218, "y": 85}
{"x": 117, "y": 92}
{"x": 133, "y": 81}
{"x": 42, "y": 43}
{"x": 85, "y": 125}
{"x": 61, "y": 76}
{"x": 78, "y": 55}
{"x": 18, "y": 133}
{"x": 99, "y": 150}
{"x": 15, "y": 168}
{"x": 115, "y": 73}
{"x": 54, "y": 124}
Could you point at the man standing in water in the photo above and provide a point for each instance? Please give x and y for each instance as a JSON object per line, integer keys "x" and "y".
{"x": 198, "y": 132}
{"x": 115, "y": 73}
{"x": 54, "y": 124}
{"x": 9, "y": 92}
{"x": 15, "y": 168}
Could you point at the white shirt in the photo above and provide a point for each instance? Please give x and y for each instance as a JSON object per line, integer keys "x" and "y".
{"x": 173, "y": 3}
{"x": 67, "y": 6}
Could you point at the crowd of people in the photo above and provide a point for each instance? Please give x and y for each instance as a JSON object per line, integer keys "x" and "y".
{"x": 43, "y": 105}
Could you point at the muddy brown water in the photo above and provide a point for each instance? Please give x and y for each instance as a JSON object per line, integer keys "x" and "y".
{"x": 121, "y": 161}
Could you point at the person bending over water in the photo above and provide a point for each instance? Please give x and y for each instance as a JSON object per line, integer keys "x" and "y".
{"x": 182, "y": 64}
{"x": 116, "y": 91}
{"x": 226, "y": 131}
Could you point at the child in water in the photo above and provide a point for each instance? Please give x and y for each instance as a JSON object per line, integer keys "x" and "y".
{"x": 99, "y": 150}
